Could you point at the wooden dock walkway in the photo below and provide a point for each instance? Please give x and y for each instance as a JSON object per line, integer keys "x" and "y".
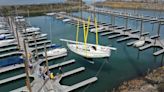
{"x": 46, "y": 86}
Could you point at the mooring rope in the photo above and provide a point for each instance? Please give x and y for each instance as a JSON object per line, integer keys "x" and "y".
{"x": 98, "y": 72}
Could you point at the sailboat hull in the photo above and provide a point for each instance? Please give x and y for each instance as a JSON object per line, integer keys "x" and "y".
{"x": 89, "y": 51}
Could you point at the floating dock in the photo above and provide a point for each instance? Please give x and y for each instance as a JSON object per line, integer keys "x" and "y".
{"x": 11, "y": 53}
{"x": 39, "y": 43}
{"x": 127, "y": 33}
{"x": 10, "y": 68}
{"x": 12, "y": 78}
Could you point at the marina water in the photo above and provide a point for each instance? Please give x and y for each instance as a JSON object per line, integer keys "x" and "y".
{"x": 124, "y": 64}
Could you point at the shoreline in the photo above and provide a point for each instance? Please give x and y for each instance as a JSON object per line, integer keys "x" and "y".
{"x": 131, "y": 5}
{"x": 152, "y": 82}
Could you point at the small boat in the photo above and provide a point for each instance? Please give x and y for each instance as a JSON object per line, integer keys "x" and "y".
{"x": 2, "y": 36}
{"x": 59, "y": 17}
{"x": 50, "y": 14}
{"x": 19, "y": 19}
{"x": 2, "y": 25}
{"x": 55, "y": 52}
{"x": 37, "y": 36}
{"x": 6, "y": 42}
{"x": 98, "y": 29}
{"x": 41, "y": 35}
{"x": 3, "y": 31}
{"x": 139, "y": 43}
{"x": 66, "y": 20}
{"x": 31, "y": 29}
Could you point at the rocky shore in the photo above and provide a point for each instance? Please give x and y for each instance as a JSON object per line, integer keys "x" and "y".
{"x": 153, "y": 82}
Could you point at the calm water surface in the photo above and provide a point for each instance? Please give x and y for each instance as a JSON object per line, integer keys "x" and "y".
{"x": 125, "y": 63}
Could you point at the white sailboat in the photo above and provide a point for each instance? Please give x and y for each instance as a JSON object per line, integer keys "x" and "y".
{"x": 88, "y": 50}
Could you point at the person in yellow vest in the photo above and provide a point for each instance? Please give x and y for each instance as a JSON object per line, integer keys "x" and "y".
{"x": 52, "y": 76}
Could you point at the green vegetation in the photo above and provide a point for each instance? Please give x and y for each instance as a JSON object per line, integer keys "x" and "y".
{"x": 40, "y": 9}
{"x": 131, "y": 5}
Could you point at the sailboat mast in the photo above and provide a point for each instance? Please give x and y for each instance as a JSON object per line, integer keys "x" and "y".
{"x": 81, "y": 9}
{"x": 141, "y": 27}
{"x": 36, "y": 49}
{"x": 51, "y": 32}
{"x": 96, "y": 31}
{"x": 94, "y": 8}
{"x": 28, "y": 16}
{"x": 17, "y": 37}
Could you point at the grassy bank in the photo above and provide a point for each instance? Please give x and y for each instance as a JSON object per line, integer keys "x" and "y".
{"x": 39, "y": 9}
{"x": 132, "y": 5}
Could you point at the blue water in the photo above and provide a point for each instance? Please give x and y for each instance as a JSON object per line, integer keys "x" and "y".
{"x": 125, "y": 63}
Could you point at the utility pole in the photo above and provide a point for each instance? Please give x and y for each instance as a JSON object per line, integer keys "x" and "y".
{"x": 126, "y": 23}
{"x": 17, "y": 37}
{"x": 24, "y": 25}
{"x": 94, "y": 9}
{"x": 47, "y": 66}
{"x": 141, "y": 27}
{"x": 159, "y": 27}
{"x": 36, "y": 49}
{"x": 26, "y": 68}
{"x": 81, "y": 8}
